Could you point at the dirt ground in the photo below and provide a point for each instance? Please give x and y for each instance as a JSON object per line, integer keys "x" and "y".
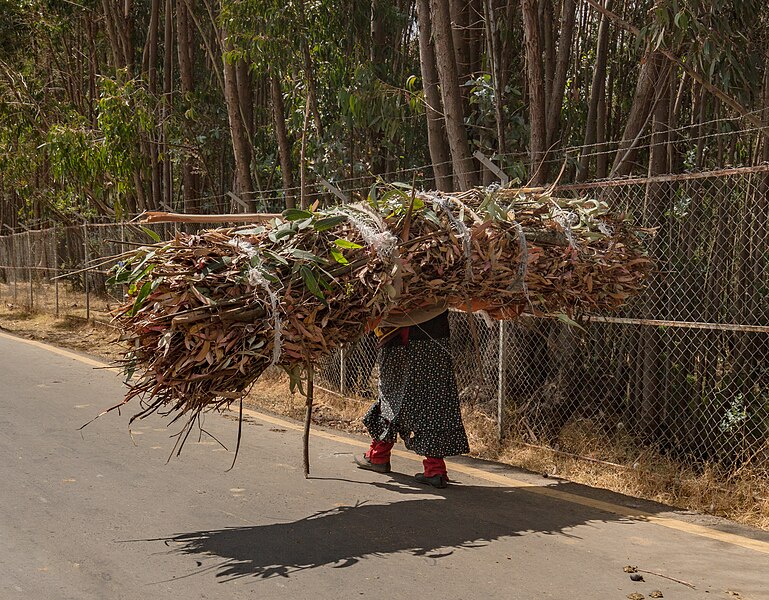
{"x": 741, "y": 496}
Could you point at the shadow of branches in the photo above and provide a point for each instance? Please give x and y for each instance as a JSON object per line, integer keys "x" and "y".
{"x": 459, "y": 518}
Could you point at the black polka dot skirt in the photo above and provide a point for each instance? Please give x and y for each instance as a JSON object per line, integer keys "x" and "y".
{"x": 418, "y": 399}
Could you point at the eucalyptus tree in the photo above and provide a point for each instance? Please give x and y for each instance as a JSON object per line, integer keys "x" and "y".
{"x": 338, "y": 84}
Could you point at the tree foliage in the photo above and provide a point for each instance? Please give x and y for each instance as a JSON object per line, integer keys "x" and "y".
{"x": 104, "y": 110}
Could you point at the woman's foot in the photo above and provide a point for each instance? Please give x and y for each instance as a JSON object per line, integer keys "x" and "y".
{"x": 437, "y": 481}
{"x": 364, "y": 462}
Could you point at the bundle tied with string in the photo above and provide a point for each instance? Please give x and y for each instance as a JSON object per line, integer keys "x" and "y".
{"x": 206, "y": 314}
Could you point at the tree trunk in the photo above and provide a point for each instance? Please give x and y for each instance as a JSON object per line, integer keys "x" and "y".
{"x": 119, "y": 36}
{"x": 152, "y": 74}
{"x": 653, "y": 400}
{"x": 474, "y": 37}
{"x": 245, "y": 90}
{"x": 168, "y": 74}
{"x": 379, "y": 63}
{"x": 565, "y": 43}
{"x": 536, "y": 82}
{"x": 597, "y": 90}
{"x": 284, "y": 146}
{"x": 378, "y": 37}
{"x": 492, "y": 45}
{"x": 548, "y": 48}
{"x": 186, "y": 54}
{"x": 459, "y": 11}
{"x": 92, "y": 70}
{"x": 238, "y": 132}
{"x": 436, "y": 135}
{"x": 640, "y": 113}
{"x": 602, "y": 158}
{"x": 309, "y": 71}
{"x": 464, "y": 170}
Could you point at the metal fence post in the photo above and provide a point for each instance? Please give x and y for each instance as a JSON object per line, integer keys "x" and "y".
{"x": 56, "y": 269}
{"x": 123, "y": 288}
{"x": 29, "y": 270}
{"x": 341, "y": 370}
{"x": 501, "y": 383}
{"x": 85, "y": 273}
{"x": 14, "y": 269}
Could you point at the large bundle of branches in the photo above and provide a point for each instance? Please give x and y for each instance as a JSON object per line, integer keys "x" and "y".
{"x": 207, "y": 313}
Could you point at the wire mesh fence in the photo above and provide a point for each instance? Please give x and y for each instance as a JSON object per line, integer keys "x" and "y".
{"x": 682, "y": 372}
{"x": 59, "y": 269}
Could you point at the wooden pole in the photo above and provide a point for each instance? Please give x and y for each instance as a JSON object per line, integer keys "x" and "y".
{"x": 169, "y": 217}
{"x": 308, "y": 420}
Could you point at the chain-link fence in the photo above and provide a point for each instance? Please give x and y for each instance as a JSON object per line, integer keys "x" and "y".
{"x": 59, "y": 269}
{"x": 682, "y": 372}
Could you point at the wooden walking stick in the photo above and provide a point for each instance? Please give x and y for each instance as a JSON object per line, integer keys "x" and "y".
{"x": 308, "y": 420}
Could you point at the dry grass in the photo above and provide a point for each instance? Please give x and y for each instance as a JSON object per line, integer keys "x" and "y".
{"x": 271, "y": 393}
{"x": 43, "y": 299}
{"x": 742, "y": 496}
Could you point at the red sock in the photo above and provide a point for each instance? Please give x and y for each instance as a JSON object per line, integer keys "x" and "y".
{"x": 434, "y": 466}
{"x": 379, "y": 452}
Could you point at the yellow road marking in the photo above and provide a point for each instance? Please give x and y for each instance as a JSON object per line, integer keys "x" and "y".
{"x": 547, "y": 491}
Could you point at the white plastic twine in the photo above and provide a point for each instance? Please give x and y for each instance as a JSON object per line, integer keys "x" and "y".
{"x": 605, "y": 229}
{"x": 566, "y": 219}
{"x": 522, "y": 268}
{"x": 463, "y": 233}
{"x": 374, "y": 233}
{"x": 257, "y": 279}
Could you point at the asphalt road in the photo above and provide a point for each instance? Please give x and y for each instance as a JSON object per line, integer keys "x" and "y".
{"x": 99, "y": 515}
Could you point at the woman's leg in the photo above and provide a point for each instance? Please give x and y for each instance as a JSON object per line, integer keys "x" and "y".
{"x": 377, "y": 458}
{"x": 434, "y": 473}
{"x": 379, "y": 452}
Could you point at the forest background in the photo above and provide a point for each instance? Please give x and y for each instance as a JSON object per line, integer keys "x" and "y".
{"x": 111, "y": 108}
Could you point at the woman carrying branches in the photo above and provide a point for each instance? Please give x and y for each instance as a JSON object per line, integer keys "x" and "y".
{"x": 418, "y": 398}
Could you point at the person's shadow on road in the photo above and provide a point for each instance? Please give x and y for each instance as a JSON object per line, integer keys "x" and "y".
{"x": 460, "y": 517}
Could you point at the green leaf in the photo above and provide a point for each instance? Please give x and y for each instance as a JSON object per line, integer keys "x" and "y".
{"x": 311, "y": 283}
{"x": 137, "y": 272}
{"x": 372, "y": 196}
{"x": 305, "y": 223}
{"x": 146, "y": 290}
{"x": 304, "y": 255}
{"x": 151, "y": 233}
{"x": 403, "y": 186}
{"x": 275, "y": 257}
{"x": 347, "y": 244}
{"x": 281, "y": 232}
{"x": 564, "y": 318}
{"x": 295, "y": 214}
{"x": 216, "y": 265}
{"x": 252, "y": 231}
{"x": 294, "y": 378}
{"x": 329, "y": 222}
{"x": 339, "y": 257}
{"x": 129, "y": 370}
